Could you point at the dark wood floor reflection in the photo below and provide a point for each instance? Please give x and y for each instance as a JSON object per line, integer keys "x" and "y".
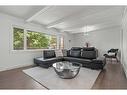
{"x": 16, "y": 79}
{"x": 112, "y": 77}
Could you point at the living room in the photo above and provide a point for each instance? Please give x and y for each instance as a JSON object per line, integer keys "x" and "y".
{"x": 28, "y": 33}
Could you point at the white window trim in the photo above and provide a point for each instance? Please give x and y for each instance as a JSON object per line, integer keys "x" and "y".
{"x": 25, "y": 40}
{"x": 12, "y": 38}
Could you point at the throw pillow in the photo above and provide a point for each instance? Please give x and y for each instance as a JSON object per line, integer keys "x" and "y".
{"x": 58, "y": 53}
{"x": 64, "y": 52}
{"x": 111, "y": 54}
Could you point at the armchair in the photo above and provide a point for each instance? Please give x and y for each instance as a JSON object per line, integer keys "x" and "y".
{"x": 112, "y": 53}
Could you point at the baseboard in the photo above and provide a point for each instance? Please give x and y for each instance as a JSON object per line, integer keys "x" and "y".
{"x": 125, "y": 69}
{"x": 14, "y": 67}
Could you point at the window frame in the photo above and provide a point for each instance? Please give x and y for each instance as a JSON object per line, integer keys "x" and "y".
{"x": 28, "y": 30}
{"x": 60, "y": 42}
{"x": 25, "y": 39}
{"x": 12, "y": 38}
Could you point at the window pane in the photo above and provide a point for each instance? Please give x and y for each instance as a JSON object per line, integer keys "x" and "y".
{"x": 53, "y": 42}
{"x": 37, "y": 40}
{"x": 18, "y": 42}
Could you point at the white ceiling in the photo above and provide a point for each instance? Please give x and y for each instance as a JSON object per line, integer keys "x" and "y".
{"x": 20, "y": 11}
{"x": 73, "y": 19}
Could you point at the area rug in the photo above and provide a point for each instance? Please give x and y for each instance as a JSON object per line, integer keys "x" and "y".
{"x": 48, "y": 78}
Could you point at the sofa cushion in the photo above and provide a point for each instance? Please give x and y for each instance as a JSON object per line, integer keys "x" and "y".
{"x": 88, "y": 48}
{"x": 80, "y": 60}
{"x": 97, "y": 64}
{"x": 46, "y": 62}
{"x": 96, "y": 61}
{"x": 75, "y": 53}
{"x": 52, "y": 60}
{"x": 88, "y": 54}
{"x": 48, "y": 54}
{"x": 68, "y": 53}
{"x": 76, "y": 48}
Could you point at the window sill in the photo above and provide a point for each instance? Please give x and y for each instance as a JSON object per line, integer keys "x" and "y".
{"x": 30, "y": 50}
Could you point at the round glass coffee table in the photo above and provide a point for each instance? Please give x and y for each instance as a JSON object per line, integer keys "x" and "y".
{"x": 66, "y": 69}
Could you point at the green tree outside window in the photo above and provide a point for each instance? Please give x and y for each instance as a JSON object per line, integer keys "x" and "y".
{"x": 18, "y": 42}
{"x": 38, "y": 40}
{"x": 34, "y": 40}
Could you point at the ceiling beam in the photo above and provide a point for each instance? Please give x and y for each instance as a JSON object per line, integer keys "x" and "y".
{"x": 63, "y": 19}
{"x": 38, "y": 13}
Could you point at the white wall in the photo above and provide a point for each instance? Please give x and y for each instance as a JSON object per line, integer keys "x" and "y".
{"x": 124, "y": 42}
{"x": 68, "y": 40}
{"x": 12, "y": 59}
{"x": 103, "y": 40}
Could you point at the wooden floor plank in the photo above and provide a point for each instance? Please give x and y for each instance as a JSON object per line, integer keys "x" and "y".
{"x": 112, "y": 77}
{"x": 16, "y": 79}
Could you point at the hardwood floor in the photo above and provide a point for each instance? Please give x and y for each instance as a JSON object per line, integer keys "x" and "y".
{"x": 16, "y": 79}
{"x": 112, "y": 77}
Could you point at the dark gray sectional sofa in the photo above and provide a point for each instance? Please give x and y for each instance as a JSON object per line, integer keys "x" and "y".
{"x": 86, "y": 56}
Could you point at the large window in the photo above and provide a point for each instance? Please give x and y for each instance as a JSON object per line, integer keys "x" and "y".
{"x": 25, "y": 39}
{"x": 37, "y": 40}
{"x": 18, "y": 41}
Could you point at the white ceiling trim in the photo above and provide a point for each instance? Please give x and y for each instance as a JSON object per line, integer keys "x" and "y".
{"x": 45, "y": 9}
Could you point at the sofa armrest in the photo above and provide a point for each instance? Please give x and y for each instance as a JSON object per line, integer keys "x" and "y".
{"x": 68, "y": 53}
{"x": 97, "y": 61}
{"x": 96, "y": 52}
{"x": 100, "y": 61}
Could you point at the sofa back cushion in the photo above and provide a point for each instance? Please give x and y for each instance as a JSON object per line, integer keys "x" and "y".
{"x": 75, "y": 52}
{"x": 76, "y": 48}
{"x": 88, "y": 54}
{"x": 48, "y": 54}
{"x": 88, "y": 48}
{"x": 68, "y": 53}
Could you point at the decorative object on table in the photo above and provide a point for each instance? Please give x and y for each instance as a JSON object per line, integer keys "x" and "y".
{"x": 87, "y": 44}
{"x": 66, "y": 69}
{"x": 112, "y": 54}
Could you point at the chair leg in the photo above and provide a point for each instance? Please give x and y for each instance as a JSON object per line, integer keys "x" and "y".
{"x": 111, "y": 60}
{"x": 105, "y": 60}
{"x": 117, "y": 60}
